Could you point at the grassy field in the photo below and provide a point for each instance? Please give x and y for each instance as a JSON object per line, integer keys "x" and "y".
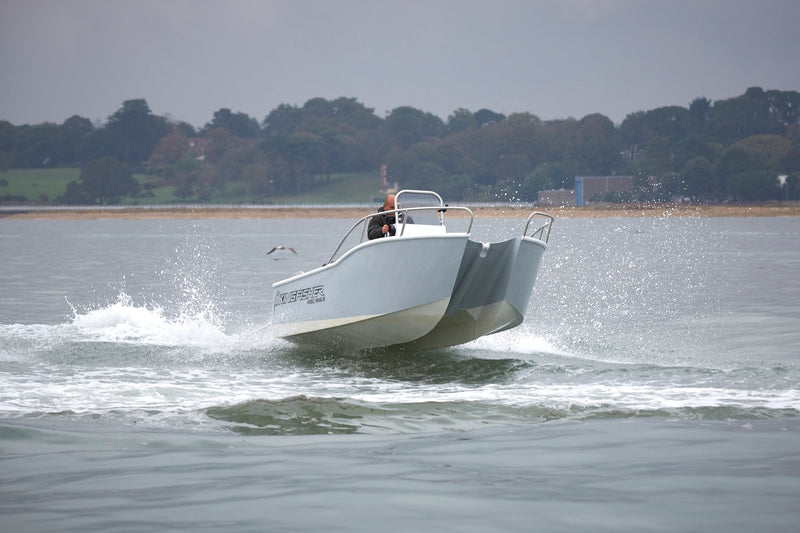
{"x": 37, "y": 185}
{"x": 43, "y": 186}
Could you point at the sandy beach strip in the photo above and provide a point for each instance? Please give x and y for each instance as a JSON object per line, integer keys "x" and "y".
{"x": 302, "y": 212}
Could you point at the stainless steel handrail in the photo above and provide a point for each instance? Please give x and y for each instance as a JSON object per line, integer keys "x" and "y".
{"x": 539, "y": 232}
{"x": 364, "y": 222}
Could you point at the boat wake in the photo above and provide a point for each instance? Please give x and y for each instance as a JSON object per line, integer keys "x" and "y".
{"x": 125, "y": 322}
{"x": 135, "y": 329}
{"x": 195, "y": 368}
{"x": 519, "y": 342}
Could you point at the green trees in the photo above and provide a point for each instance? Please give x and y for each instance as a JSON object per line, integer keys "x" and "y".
{"x": 756, "y": 112}
{"x": 130, "y": 136}
{"x": 513, "y": 158}
{"x": 102, "y": 181}
{"x": 319, "y": 139}
{"x": 408, "y": 126}
{"x": 238, "y": 124}
{"x": 751, "y": 167}
{"x": 44, "y": 144}
{"x": 461, "y": 119}
{"x": 133, "y": 131}
{"x": 731, "y": 149}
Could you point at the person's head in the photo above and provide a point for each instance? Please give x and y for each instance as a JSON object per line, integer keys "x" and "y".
{"x": 388, "y": 202}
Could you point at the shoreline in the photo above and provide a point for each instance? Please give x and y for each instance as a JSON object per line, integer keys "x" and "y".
{"x": 254, "y": 212}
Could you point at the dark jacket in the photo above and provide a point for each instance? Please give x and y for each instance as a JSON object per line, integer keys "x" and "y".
{"x": 375, "y": 228}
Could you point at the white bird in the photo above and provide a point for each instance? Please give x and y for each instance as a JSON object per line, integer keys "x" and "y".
{"x": 282, "y": 247}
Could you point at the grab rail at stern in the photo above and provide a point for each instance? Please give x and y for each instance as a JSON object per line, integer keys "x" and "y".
{"x": 541, "y": 232}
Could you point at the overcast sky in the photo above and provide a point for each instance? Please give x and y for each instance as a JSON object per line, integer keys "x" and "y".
{"x": 553, "y": 58}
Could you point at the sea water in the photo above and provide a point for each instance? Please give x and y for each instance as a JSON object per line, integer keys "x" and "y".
{"x": 654, "y": 386}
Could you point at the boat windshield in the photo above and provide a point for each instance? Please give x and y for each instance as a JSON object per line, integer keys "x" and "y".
{"x": 408, "y": 199}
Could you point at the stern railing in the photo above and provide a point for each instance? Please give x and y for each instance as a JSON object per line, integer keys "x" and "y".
{"x": 542, "y": 231}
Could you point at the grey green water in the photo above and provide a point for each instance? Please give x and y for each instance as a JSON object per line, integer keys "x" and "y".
{"x": 654, "y": 385}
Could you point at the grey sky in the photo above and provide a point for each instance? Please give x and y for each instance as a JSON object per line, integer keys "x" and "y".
{"x": 553, "y": 58}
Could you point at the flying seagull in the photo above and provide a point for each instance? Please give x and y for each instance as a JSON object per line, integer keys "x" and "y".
{"x": 282, "y": 247}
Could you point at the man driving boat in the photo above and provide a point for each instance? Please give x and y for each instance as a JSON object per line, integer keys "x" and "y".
{"x": 382, "y": 225}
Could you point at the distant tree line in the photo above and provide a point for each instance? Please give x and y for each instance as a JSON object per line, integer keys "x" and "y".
{"x": 733, "y": 149}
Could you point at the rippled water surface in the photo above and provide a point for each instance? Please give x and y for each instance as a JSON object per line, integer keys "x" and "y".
{"x": 661, "y": 351}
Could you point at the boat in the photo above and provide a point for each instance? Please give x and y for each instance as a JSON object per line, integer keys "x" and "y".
{"x": 428, "y": 286}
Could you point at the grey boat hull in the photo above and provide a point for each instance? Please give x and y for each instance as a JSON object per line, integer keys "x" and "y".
{"x": 491, "y": 293}
{"x": 383, "y": 292}
{"x": 353, "y": 305}
{"x": 422, "y": 288}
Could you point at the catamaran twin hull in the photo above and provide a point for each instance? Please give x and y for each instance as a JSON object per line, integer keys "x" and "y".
{"x": 422, "y": 289}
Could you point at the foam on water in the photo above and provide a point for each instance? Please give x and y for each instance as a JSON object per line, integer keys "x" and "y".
{"x": 514, "y": 371}
{"x": 125, "y": 322}
{"x": 519, "y": 341}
